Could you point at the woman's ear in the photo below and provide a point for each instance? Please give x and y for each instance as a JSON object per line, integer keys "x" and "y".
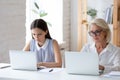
{"x": 105, "y": 35}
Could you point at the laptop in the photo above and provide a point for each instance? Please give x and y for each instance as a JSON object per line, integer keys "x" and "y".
{"x": 23, "y": 60}
{"x": 81, "y": 63}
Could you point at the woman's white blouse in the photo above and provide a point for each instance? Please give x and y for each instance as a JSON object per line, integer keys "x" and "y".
{"x": 109, "y": 57}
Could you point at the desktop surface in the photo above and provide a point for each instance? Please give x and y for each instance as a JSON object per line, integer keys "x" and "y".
{"x": 9, "y": 79}
{"x": 10, "y": 74}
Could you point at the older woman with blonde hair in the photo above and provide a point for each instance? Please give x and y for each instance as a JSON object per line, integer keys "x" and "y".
{"x": 109, "y": 54}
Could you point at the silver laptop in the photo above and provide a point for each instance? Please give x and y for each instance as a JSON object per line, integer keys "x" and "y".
{"x": 81, "y": 63}
{"x": 23, "y": 60}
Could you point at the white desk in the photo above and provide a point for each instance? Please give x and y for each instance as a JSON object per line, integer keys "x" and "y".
{"x": 9, "y": 74}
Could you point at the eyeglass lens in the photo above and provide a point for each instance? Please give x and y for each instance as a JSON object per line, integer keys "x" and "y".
{"x": 95, "y": 33}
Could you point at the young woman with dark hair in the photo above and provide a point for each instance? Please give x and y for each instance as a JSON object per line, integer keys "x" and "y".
{"x": 47, "y": 49}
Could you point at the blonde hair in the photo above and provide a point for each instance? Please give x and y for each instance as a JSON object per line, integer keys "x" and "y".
{"x": 104, "y": 26}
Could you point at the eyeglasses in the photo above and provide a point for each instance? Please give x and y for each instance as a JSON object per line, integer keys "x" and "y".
{"x": 95, "y": 33}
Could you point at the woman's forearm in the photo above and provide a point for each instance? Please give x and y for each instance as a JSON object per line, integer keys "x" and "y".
{"x": 49, "y": 64}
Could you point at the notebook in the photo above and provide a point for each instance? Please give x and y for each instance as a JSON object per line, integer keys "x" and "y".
{"x": 81, "y": 63}
{"x": 23, "y": 60}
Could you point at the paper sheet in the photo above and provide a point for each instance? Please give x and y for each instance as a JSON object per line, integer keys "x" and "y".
{"x": 112, "y": 74}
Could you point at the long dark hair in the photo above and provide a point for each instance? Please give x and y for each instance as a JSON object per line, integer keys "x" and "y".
{"x": 41, "y": 24}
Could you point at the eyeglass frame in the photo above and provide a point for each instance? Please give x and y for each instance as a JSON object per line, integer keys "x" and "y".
{"x": 95, "y": 33}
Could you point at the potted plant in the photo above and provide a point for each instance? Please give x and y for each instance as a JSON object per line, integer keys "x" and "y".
{"x": 39, "y": 12}
{"x": 92, "y": 12}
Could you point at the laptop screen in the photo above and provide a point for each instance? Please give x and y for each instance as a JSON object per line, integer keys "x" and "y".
{"x": 81, "y": 63}
{"x": 23, "y": 60}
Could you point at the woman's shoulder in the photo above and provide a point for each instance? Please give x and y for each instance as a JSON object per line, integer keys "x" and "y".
{"x": 113, "y": 47}
{"x": 87, "y": 47}
{"x": 52, "y": 40}
{"x": 31, "y": 42}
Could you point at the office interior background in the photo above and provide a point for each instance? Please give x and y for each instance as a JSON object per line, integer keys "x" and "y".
{"x": 16, "y": 16}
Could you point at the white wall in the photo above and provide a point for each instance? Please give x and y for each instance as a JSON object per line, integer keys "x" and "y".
{"x": 67, "y": 23}
{"x": 74, "y": 22}
{"x": 12, "y": 26}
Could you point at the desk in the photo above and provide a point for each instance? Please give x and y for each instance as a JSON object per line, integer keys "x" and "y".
{"x": 10, "y": 74}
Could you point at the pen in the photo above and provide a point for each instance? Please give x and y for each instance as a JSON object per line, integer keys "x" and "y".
{"x": 50, "y": 70}
{"x": 4, "y": 67}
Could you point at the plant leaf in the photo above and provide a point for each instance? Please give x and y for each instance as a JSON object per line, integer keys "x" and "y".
{"x": 35, "y": 11}
{"x": 36, "y": 5}
{"x": 43, "y": 14}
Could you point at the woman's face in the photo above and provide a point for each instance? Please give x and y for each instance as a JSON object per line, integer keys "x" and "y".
{"x": 38, "y": 34}
{"x": 97, "y": 34}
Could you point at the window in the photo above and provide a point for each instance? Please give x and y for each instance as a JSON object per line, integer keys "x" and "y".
{"x": 54, "y": 17}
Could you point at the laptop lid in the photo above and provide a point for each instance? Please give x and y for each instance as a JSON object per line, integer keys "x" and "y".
{"x": 23, "y": 60}
{"x": 81, "y": 63}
